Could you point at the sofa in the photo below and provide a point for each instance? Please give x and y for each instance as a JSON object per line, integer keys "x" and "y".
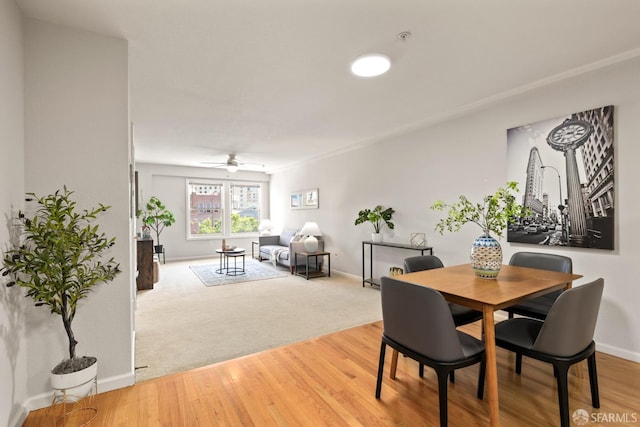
{"x": 280, "y": 249}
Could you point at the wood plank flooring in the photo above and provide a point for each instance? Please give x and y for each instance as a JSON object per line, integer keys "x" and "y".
{"x": 331, "y": 380}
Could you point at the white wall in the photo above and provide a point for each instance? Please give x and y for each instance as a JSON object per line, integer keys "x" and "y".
{"x": 168, "y": 183}
{"x": 13, "y": 366}
{"x": 77, "y": 134}
{"x": 467, "y": 155}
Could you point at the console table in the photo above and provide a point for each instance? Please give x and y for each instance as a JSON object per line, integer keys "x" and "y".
{"x": 374, "y": 281}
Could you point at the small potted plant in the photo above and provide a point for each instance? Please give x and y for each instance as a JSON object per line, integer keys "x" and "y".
{"x": 378, "y": 217}
{"x": 492, "y": 215}
{"x": 58, "y": 255}
{"x": 156, "y": 216}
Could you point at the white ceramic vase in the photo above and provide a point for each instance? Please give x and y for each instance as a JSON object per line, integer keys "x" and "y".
{"x": 376, "y": 237}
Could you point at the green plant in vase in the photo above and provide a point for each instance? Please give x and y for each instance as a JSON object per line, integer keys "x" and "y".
{"x": 492, "y": 215}
{"x": 378, "y": 217}
{"x": 59, "y": 255}
{"x": 156, "y": 216}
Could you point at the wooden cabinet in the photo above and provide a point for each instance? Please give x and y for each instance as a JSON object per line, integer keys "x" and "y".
{"x": 144, "y": 279}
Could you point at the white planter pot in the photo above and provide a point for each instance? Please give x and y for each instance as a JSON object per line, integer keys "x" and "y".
{"x": 376, "y": 237}
{"x": 77, "y": 384}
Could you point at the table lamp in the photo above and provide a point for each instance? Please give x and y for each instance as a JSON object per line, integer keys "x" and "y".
{"x": 265, "y": 227}
{"x": 311, "y": 230}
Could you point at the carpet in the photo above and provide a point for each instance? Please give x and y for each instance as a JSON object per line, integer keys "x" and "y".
{"x": 182, "y": 325}
{"x": 254, "y": 270}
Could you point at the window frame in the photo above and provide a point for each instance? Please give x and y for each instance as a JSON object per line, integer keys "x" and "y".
{"x": 226, "y": 207}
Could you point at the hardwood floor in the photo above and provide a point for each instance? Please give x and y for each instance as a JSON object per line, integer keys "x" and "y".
{"x": 331, "y": 380}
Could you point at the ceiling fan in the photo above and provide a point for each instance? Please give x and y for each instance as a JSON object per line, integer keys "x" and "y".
{"x": 232, "y": 164}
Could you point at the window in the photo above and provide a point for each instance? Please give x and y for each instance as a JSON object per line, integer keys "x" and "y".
{"x": 245, "y": 208}
{"x": 208, "y": 215}
{"x": 202, "y": 219}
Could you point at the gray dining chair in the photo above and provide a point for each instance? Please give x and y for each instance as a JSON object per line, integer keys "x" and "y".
{"x": 563, "y": 339}
{"x": 461, "y": 315}
{"x": 538, "y": 308}
{"x": 417, "y": 322}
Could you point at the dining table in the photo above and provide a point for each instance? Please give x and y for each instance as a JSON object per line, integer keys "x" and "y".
{"x": 459, "y": 284}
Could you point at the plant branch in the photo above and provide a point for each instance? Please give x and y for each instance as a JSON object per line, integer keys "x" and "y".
{"x": 491, "y": 215}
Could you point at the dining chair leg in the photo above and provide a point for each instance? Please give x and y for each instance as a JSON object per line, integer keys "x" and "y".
{"x": 452, "y": 374}
{"x": 593, "y": 380}
{"x": 383, "y": 348}
{"x": 443, "y": 376}
{"x": 518, "y": 363}
{"x": 481, "y": 375}
{"x": 563, "y": 393}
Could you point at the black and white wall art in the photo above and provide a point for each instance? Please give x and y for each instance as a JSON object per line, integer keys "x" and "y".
{"x": 564, "y": 168}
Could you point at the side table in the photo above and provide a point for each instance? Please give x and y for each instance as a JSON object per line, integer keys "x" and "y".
{"x": 255, "y": 244}
{"x": 224, "y": 267}
{"x": 235, "y": 270}
{"x": 312, "y": 273}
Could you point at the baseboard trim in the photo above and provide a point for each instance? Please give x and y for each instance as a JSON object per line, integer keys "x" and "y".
{"x": 19, "y": 418}
{"x": 618, "y": 352}
{"x": 43, "y": 400}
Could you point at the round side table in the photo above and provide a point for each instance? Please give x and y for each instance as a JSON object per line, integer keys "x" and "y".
{"x": 224, "y": 267}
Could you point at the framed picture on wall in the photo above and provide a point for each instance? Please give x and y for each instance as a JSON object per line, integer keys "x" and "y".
{"x": 304, "y": 199}
{"x": 297, "y": 201}
{"x": 311, "y": 198}
{"x": 565, "y": 171}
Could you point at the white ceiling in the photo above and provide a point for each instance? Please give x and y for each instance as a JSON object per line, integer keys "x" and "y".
{"x": 270, "y": 81}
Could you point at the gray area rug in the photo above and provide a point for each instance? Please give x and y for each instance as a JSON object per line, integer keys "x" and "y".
{"x": 181, "y": 324}
{"x": 254, "y": 270}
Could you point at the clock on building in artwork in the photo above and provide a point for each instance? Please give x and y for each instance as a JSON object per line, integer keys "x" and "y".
{"x": 570, "y": 134}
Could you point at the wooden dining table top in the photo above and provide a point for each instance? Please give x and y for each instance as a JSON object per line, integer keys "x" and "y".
{"x": 460, "y": 285}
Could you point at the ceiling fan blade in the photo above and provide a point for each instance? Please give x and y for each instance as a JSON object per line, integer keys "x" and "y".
{"x": 233, "y": 162}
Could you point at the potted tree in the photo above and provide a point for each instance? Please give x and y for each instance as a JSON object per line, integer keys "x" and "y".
{"x": 156, "y": 216}
{"x": 59, "y": 258}
{"x": 492, "y": 215}
{"x": 378, "y": 217}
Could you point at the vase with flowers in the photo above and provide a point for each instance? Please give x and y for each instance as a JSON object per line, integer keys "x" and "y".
{"x": 492, "y": 215}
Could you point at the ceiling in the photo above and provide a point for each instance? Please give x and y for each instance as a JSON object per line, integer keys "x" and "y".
{"x": 270, "y": 80}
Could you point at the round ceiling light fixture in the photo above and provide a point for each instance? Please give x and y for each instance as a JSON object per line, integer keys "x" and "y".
{"x": 371, "y": 65}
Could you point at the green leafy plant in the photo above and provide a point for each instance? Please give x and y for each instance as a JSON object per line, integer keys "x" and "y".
{"x": 156, "y": 215}
{"x": 491, "y": 215}
{"x": 60, "y": 257}
{"x": 377, "y": 216}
